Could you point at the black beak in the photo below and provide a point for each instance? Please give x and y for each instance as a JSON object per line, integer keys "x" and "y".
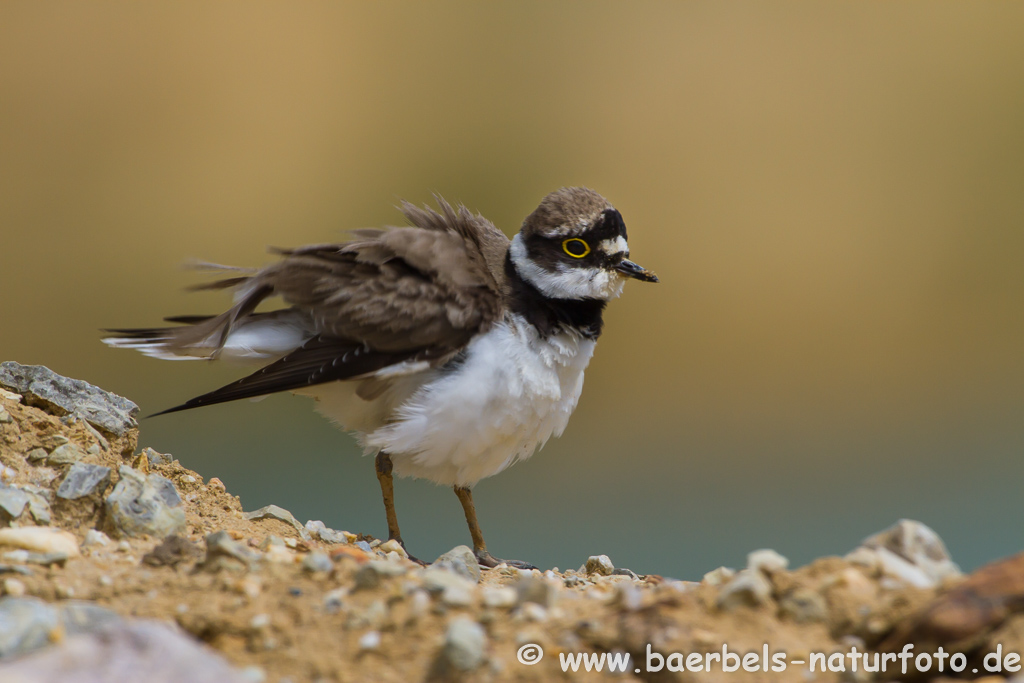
{"x": 630, "y": 269}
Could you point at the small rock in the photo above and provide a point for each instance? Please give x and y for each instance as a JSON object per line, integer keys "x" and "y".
{"x": 748, "y": 588}
{"x": 766, "y": 561}
{"x": 919, "y": 546}
{"x": 899, "y": 568}
{"x": 317, "y": 529}
{"x": 438, "y": 580}
{"x": 25, "y": 625}
{"x": 499, "y": 596}
{"x": 14, "y": 587}
{"x": 95, "y": 537}
{"x": 317, "y": 562}
{"x": 280, "y": 514}
{"x": 393, "y": 546}
{"x": 145, "y": 504}
{"x": 457, "y": 596}
{"x": 172, "y": 551}
{"x": 129, "y": 650}
{"x": 804, "y": 606}
{"x": 220, "y": 544}
{"x": 40, "y": 539}
{"x": 371, "y": 573}
{"x": 599, "y": 564}
{"x": 462, "y": 561}
{"x": 83, "y": 480}
{"x": 156, "y": 458}
{"x": 716, "y": 577}
{"x": 464, "y": 644}
{"x": 59, "y": 395}
{"x": 5, "y": 417}
{"x": 13, "y": 500}
{"x": 537, "y": 590}
{"x": 369, "y": 640}
{"x": 531, "y": 611}
{"x": 65, "y": 455}
{"x": 628, "y": 597}
{"x": 36, "y": 455}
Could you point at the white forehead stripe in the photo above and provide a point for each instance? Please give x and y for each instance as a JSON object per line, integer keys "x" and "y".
{"x": 614, "y": 246}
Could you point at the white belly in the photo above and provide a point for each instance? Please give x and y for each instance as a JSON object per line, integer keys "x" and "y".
{"x": 510, "y": 395}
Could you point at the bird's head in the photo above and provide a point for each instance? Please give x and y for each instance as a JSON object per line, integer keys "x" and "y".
{"x": 573, "y": 246}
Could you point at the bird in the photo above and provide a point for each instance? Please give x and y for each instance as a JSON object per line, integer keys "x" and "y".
{"x": 447, "y": 349}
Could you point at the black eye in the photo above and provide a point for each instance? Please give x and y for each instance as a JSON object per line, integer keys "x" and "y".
{"x": 575, "y": 247}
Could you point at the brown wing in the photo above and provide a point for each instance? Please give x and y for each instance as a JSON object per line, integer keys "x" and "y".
{"x": 415, "y": 293}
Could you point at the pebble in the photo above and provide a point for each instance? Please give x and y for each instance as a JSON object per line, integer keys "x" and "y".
{"x": 28, "y": 623}
{"x": 250, "y": 586}
{"x": 419, "y": 603}
{"x": 767, "y": 561}
{"x": 317, "y": 529}
{"x": 41, "y": 539}
{"x": 280, "y": 514}
{"x": 629, "y": 597}
{"x": 334, "y": 600}
{"x": 598, "y": 564}
{"x": 259, "y": 621}
{"x": 457, "y": 596}
{"x": 145, "y": 505}
{"x": 60, "y": 395}
{"x": 371, "y": 573}
{"x": 36, "y": 455}
{"x": 537, "y": 590}
{"x": 14, "y": 587}
{"x": 461, "y": 561}
{"x": 393, "y": 546}
{"x": 369, "y": 640}
{"x": 748, "y": 588}
{"x": 531, "y": 611}
{"x": 13, "y": 500}
{"x": 5, "y": 417}
{"x": 919, "y": 546}
{"x": 437, "y": 580}
{"x": 220, "y": 544}
{"x": 499, "y": 596}
{"x": 83, "y": 480}
{"x": 65, "y": 455}
{"x": 156, "y": 458}
{"x": 317, "y": 562}
{"x": 804, "y": 606}
{"x": 716, "y": 577}
{"x": 364, "y": 546}
{"x": 464, "y": 644}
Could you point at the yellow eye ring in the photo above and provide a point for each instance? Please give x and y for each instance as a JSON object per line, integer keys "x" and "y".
{"x": 573, "y": 245}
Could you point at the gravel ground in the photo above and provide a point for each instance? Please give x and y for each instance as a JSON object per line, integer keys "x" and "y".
{"x": 117, "y": 563}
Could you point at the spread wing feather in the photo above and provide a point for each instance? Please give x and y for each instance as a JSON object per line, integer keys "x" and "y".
{"x": 389, "y": 296}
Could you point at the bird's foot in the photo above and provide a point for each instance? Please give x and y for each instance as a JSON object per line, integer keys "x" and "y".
{"x": 490, "y": 561}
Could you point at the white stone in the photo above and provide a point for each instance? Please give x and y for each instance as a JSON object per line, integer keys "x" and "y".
{"x": 369, "y": 640}
{"x": 499, "y": 596}
{"x": 599, "y": 564}
{"x": 767, "y": 561}
{"x": 40, "y": 539}
{"x": 748, "y": 588}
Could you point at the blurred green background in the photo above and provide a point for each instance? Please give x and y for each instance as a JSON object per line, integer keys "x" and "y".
{"x": 832, "y": 194}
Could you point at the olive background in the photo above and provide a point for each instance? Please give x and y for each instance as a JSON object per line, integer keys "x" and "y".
{"x": 831, "y": 193}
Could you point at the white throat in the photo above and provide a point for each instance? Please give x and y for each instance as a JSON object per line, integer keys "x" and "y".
{"x": 566, "y": 282}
